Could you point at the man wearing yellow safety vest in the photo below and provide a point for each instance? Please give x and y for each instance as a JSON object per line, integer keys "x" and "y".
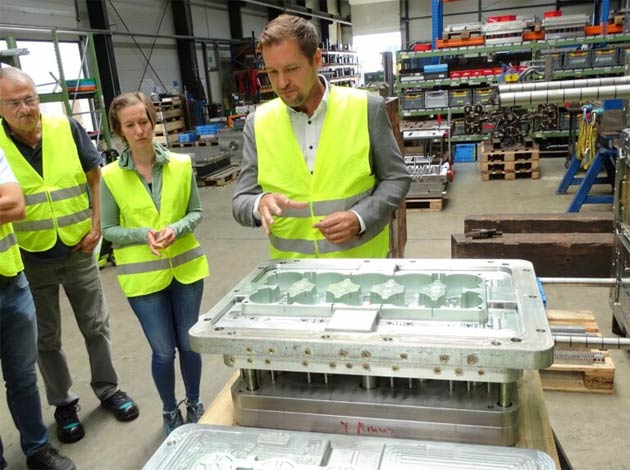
{"x": 321, "y": 170}
{"x": 55, "y": 162}
{"x": 18, "y": 336}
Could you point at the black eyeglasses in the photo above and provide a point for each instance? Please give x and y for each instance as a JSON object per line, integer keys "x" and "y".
{"x": 29, "y": 101}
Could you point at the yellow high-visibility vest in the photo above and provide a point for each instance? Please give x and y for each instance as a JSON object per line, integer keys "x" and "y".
{"x": 57, "y": 203}
{"x": 341, "y": 177}
{"x": 10, "y": 259}
{"x": 140, "y": 272}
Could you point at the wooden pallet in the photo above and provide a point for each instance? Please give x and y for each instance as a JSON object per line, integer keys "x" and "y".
{"x": 168, "y": 103}
{"x": 221, "y": 177}
{"x": 169, "y": 114}
{"x": 490, "y": 154}
{"x": 495, "y": 144}
{"x": 166, "y": 139}
{"x": 207, "y": 142}
{"x": 425, "y": 205}
{"x": 517, "y": 165}
{"x": 169, "y": 126}
{"x": 591, "y": 378}
{"x": 183, "y": 144}
{"x": 510, "y": 175}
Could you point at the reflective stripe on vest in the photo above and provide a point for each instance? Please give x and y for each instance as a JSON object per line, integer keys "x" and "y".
{"x": 10, "y": 259}
{"x": 57, "y": 204}
{"x": 140, "y": 272}
{"x": 341, "y": 177}
{"x": 158, "y": 264}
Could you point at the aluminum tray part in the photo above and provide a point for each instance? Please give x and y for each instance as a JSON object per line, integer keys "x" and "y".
{"x": 455, "y": 319}
{"x": 202, "y": 446}
{"x": 462, "y": 27}
{"x": 569, "y": 26}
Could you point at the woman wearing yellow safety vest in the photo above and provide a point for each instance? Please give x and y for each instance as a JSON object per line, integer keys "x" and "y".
{"x": 149, "y": 209}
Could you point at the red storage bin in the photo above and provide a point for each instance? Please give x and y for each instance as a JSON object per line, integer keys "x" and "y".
{"x": 552, "y": 13}
{"x": 422, "y": 47}
{"x": 501, "y": 18}
{"x": 457, "y": 74}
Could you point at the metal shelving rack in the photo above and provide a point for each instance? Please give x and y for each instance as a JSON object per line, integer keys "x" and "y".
{"x": 329, "y": 66}
{"x": 98, "y": 111}
{"x": 532, "y": 47}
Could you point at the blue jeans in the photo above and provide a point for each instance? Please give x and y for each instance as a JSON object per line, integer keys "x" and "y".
{"x": 18, "y": 354}
{"x": 166, "y": 316}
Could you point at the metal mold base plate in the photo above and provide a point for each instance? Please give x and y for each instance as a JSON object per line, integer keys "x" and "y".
{"x": 426, "y": 411}
{"x": 197, "y": 447}
{"x": 485, "y": 317}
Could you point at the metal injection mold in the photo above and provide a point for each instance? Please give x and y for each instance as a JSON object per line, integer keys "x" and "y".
{"x": 428, "y": 349}
{"x": 198, "y": 446}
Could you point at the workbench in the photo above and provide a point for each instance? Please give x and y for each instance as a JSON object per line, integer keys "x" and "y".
{"x": 534, "y": 426}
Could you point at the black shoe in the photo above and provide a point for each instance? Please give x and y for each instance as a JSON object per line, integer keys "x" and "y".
{"x": 48, "y": 458}
{"x": 69, "y": 427}
{"x": 122, "y": 405}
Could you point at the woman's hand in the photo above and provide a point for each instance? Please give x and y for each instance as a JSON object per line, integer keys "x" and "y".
{"x": 158, "y": 240}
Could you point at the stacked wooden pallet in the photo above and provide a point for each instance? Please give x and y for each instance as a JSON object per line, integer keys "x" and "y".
{"x": 509, "y": 163}
{"x": 425, "y": 204}
{"x": 573, "y": 370}
{"x": 170, "y": 120}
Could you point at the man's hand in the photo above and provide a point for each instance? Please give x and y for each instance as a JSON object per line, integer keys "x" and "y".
{"x": 272, "y": 204}
{"x": 339, "y": 227}
{"x": 158, "y": 240}
{"x": 89, "y": 241}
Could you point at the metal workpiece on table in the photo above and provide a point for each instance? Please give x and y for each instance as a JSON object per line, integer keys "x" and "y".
{"x": 222, "y": 447}
{"x": 459, "y": 319}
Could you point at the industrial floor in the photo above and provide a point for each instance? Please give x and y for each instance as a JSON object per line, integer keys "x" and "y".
{"x": 593, "y": 429}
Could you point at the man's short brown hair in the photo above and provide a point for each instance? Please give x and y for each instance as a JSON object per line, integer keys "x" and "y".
{"x": 291, "y": 27}
{"x": 129, "y": 99}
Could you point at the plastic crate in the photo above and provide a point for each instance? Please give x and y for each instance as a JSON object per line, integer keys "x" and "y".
{"x": 577, "y": 60}
{"x": 464, "y": 153}
{"x": 552, "y": 13}
{"x": 187, "y": 137}
{"x": 208, "y": 129}
{"x": 482, "y": 95}
{"x": 605, "y": 57}
{"x": 436, "y": 99}
{"x": 83, "y": 84}
{"x": 558, "y": 58}
{"x": 417, "y": 103}
{"x": 413, "y": 100}
{"x": 459, "y": 98}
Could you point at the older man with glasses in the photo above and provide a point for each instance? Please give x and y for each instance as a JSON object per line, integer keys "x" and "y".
{"x": 55, "y": 162}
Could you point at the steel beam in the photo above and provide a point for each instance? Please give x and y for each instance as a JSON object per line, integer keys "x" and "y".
{"x": 188, "y": 67}
{"x": 105, "y": 57}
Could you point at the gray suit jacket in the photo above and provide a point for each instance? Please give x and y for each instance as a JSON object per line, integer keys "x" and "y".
{"x": 387, "y": 165}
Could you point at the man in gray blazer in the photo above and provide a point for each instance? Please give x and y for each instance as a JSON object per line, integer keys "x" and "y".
{"x": 355, "y": 218}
